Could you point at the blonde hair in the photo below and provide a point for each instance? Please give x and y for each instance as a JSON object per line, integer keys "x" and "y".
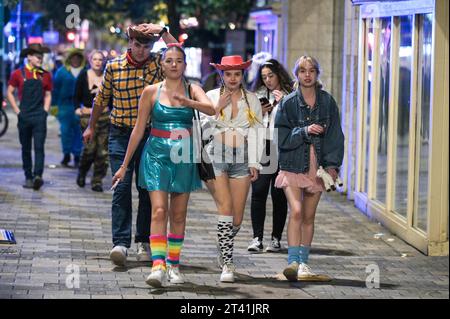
{"x": 301, "y": 61}
{"x": 94, "y": 52}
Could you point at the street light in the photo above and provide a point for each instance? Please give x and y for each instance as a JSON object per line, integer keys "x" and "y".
{"x": 70, "y": 36}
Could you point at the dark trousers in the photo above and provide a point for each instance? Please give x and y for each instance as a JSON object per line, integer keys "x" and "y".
{"x": 32, "y": 130}
{"x": 260, "y": 191}
{"x": 121, "y": 202}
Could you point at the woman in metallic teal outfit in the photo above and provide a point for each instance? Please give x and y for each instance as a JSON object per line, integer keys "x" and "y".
{"x": 167, "y": 165}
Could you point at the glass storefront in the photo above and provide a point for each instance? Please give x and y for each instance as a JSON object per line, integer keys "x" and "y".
{"x": 383, "y": 108}
{"x": 403, "y": 106}
{"x": 398, "y": 98}
{"x": 423, "y": 120}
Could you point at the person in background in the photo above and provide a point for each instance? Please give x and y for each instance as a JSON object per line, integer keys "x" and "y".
{"x": 271, "y": 84}
{"x": 309, "y": 136}
{"x": 87, "y": 86}
{"x": 34, "y": 86}
{"x": 63, "y": 97}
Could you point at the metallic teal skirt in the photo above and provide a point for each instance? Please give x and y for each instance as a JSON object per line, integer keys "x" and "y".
{"x": 167, "y": 165}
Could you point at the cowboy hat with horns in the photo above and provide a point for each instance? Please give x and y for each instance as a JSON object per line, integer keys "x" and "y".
{"x": 232, "y": 62}
{"x": 34, "y": 48}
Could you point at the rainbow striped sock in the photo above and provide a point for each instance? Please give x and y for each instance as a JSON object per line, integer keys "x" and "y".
{"x": 158, "y": 245}
{"x": 175, "y": 242}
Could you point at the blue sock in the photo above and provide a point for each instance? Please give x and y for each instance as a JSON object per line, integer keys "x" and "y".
{"x": 293, "y": 254}
{"x": 304, "y": 254}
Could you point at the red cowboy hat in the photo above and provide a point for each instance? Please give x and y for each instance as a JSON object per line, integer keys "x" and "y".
{"x": 232, "y": 62}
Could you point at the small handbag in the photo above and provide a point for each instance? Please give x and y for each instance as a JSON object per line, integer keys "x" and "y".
{"x": 205, "y": 167}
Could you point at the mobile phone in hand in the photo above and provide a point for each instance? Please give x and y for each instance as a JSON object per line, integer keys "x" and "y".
{"x": 264, "y": 101}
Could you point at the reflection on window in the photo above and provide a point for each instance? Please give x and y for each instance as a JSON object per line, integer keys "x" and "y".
{"x": 403, "y": 106}
{"x": 267, "y": 41}
{"x": 385, "y": 62}
{"x": 423, "y": 121}
{"x": 369, "y": 65}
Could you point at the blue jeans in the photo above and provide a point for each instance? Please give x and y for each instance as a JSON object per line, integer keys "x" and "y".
{"x": 71, "y": 138}
{"x": 121, "y": 202}
{"x": 32, "y": 130}
{"x": 228, "y": 159}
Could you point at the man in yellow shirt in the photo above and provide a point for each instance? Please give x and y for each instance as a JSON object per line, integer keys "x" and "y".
{"x": 123, "y": 82}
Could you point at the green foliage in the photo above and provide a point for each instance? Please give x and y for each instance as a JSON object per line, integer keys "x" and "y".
{"x": 212, "y": 15}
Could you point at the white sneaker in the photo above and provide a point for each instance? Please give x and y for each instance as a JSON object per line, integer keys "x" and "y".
{"x": 304, "y": 271}
{"x": 118, "y": 255}
{"x": 174, "y": 276}
{"x": 144, "y": 252}
{"x": 274, "y": 246}
{"x": 157, "y": 278}
{"x": 255, "y": 246}
{"x": 227, "y": 273}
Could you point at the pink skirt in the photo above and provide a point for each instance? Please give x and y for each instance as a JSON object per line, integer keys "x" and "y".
{"x": 307, "y": 181}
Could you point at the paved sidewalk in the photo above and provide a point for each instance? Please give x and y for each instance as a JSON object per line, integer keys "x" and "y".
{"x": 63, "y": 230}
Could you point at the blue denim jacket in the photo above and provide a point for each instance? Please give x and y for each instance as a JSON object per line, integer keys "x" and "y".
{"x": 292, "y": 121}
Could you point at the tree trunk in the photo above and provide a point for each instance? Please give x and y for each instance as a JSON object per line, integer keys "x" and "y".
{"x": 174, "y": 18}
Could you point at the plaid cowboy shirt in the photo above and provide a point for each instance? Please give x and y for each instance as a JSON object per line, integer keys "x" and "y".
{"x": 125, "y": 83}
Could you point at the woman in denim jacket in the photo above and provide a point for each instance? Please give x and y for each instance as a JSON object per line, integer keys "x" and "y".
{"x": 309, "y": 136}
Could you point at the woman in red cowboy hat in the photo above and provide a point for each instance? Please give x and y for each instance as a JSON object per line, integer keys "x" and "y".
{"x": 235, "y": 151}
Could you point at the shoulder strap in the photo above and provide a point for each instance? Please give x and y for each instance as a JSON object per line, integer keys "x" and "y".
{"x": 159, "y": 92}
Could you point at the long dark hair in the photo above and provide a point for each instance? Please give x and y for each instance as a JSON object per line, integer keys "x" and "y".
{"x": 174, "y": 47}
{"x": 277, "y": 68}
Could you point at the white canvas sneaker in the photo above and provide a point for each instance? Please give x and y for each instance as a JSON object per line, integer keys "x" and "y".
{"x": 143, "y": 252}
{"x": 255, "y": 246}
{"x": 157, "y": 278}
{"x": 274, "y": 246}
{"x": 118, "y": 255}
{"x": 174, "y": 276}
{"x": 227, "y": 273}
{"x": 304, "y": 271}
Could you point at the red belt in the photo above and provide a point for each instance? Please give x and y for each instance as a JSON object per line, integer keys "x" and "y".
{"x": 173, "y": 135}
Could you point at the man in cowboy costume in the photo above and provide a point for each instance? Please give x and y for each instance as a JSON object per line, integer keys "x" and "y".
{"x": 34, "y": 86}
{"x": 123, "y": 82}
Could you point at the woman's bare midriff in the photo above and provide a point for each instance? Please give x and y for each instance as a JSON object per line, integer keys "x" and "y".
{"x": 230, "y": 138}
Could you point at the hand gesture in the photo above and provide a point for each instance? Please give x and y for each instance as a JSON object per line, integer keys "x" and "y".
{"x": 118, "y": 176}
{"x": 254, "y": 173}
{"x": 149, "y": 28}
{"x": 88, "y": 135}
{"x": 224, "y": 100}
{"x": 182, "y": 100}
{"x": 315, "y": 129}
{"x": 266, "y": 108}
{"x": 278, "y": 95}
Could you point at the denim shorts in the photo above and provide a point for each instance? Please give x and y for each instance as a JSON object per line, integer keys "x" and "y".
{"x": 230, "y": 160}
